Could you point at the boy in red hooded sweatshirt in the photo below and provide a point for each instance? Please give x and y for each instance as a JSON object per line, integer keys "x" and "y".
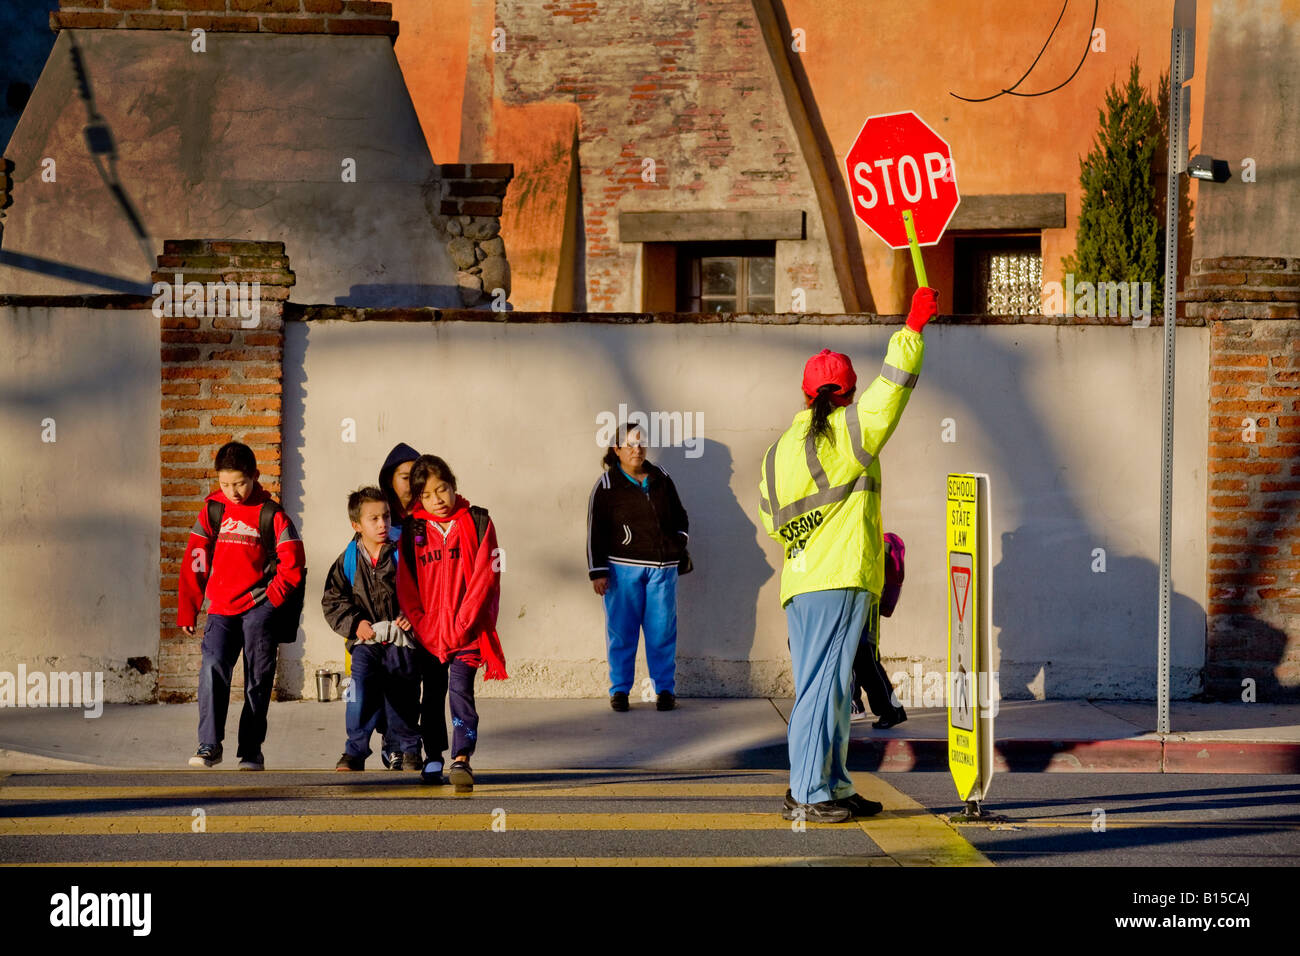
{"x": 449, "y": 588}
{"x": 227, "y": 563}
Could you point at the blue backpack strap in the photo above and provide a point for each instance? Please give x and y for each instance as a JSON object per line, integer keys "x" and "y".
{"x": 350, "y": 562}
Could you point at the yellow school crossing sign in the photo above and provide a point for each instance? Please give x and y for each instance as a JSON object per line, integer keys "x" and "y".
{"x": 970, "y": 707}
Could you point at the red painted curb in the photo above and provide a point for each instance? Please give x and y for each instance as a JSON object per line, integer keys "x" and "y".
{"x": 1124, "y": 755}
{"x": 1231, "y": 756}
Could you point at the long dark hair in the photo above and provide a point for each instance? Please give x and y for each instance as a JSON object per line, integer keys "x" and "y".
{"x": 620, "y": 439}
{"x": 822, "y": 406}
{"x": 425, "y": 468}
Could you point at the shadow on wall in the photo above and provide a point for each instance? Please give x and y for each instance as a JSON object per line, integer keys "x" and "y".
{"x": 721, "y": 596}
{"x": 411, "y": 297}
{"x": 291, "y": 679}
{"x": 102, "y": 148}
{"x": 1046, "y": 577}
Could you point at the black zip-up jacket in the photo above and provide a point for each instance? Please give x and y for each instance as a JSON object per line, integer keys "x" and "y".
{"x": 374, "y": 598}
{"x": 633, "y": 526}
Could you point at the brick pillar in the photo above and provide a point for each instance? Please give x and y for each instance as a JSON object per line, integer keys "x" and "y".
{"x": 1252, "y": 307}
{"x": 220, "y": 382}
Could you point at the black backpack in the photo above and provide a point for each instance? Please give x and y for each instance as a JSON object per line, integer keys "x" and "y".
{"x": 285, "y": 620}
{"x": 412, "y": 525}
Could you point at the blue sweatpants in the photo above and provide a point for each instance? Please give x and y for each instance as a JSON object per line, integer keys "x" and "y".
{"x": 641, "y": 598}
{"x": 824, "y": 630}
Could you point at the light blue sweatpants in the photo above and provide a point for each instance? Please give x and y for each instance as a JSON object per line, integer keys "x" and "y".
{"x": 824, "y": 630}
{"x": 639, "y": 598}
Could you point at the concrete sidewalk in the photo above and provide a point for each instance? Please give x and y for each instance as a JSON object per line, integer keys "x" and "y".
{"x": 715, "y": 734}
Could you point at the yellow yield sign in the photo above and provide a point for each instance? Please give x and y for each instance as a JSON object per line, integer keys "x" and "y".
{"x": 971, "y": 691}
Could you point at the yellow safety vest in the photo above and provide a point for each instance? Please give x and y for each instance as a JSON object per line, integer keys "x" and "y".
{"x": 821, "y": 499}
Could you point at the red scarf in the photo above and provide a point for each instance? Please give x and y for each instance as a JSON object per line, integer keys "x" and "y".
{"x": 481, "y": 597}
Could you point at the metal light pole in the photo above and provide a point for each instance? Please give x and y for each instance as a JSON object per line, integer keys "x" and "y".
{"x": 1181, "y": 65}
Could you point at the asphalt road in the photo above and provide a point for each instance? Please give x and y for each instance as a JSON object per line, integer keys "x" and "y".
{"x": 637, "y": 818}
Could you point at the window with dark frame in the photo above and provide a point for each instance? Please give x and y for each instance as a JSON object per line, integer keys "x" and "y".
{"x": 726, "y": 276}
{"x": 998, "y": 274}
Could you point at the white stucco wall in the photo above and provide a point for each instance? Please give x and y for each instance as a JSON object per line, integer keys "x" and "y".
{"x": 79, "y": 515}
{"x": 1066, "y": 420}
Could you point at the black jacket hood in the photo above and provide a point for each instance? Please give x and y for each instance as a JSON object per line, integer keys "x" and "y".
{"x": 400, "y": 454}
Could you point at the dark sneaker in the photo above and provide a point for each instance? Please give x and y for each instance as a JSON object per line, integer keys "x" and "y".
{"x": 206, "y": 756}
{"x": 432, "y": 773}
{"x": 790, "y": 801}
{"x": 255, "y": 762}
{"x": 411, "y": 762}
{"x": 386, "y": 759}
{"x": 460, "y": 777}
{"x": 860, "y": 806}
{"x": 350, "y": 763}
{"x": 893, "y": 720}
{"x": 618, "y": 700}
{"x": 826, "y": 812}
{"x": 666, "y": 701}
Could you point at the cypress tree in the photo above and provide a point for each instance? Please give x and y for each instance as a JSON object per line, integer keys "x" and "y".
{"x": 1120, "y": 236}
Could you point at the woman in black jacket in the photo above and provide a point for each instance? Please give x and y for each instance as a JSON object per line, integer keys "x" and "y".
{"x": 636, "y": 544}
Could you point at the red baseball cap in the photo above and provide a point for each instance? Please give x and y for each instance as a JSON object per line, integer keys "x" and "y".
{"x": 830, "y": 368}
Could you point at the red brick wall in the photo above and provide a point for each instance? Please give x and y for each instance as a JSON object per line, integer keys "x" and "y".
{"x": 1252, "y": 306}
{"x": 341, "y": 17}
{"x": 220, "y": 383}
{"x": 690, "y": 86}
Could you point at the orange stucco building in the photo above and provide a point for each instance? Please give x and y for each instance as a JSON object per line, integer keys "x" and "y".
{"x": 642, "y": 135}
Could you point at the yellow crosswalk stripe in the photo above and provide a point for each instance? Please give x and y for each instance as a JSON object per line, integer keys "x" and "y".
{"x": 385, "y": 822}
{"x": 911, "y": 834}
{"x": 906, "y": 832}
{"x": 490, "y": 861}
{"x": 403, "y": 790}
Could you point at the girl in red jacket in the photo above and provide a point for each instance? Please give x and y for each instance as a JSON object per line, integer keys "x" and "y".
{"x": 449, "y": 587}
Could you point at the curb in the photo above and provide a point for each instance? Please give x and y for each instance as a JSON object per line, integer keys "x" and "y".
{"x": 1125, "y": 755}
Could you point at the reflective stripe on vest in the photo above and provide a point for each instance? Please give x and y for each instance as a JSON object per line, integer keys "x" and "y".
{"x": 899, "y": 377}
{"x": 822, "y": 497}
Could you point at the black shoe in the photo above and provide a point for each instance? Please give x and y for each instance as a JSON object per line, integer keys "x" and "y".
{"x": 386, "y": 759}
{"x": 460, "y": 777}
{"x": 828, "y": 811}
{"x": 350, "y": 763}
{"x": 410, "y": 762}
{"x": 254, "y": 762}
{"x": 666, "y": 701}
{"x": 432, "y": 773}
{"x": 860, "y": 806}
{"x": 790, "y": 801}
{"x": 618, "y": 700}
{"x": 207, "y": 755}
{"x": 893, "y": 720}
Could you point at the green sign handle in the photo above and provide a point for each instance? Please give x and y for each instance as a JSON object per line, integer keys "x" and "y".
{"x": 917, "y": 263}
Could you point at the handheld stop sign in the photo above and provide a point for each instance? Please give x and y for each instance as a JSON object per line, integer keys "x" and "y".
{"x": 903, "y": 183}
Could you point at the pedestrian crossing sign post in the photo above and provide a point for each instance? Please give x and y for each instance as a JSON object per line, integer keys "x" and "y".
{"x": 970, "y": 642}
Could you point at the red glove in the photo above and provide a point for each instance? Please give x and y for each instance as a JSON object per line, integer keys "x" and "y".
{"x": 924, "y": 308}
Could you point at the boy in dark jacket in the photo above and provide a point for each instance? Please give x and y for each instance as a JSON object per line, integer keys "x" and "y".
{"x": 227, "y": 563}
{"x": 360, "y": 604}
